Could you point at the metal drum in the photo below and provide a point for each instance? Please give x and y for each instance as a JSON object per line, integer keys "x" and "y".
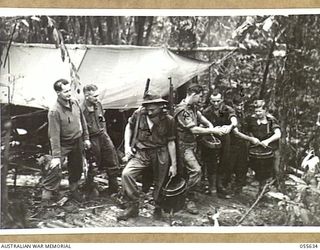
{"x": 211, "y": 142}
{"x": 260, "y": 152}
{"x": 173, "y": 194}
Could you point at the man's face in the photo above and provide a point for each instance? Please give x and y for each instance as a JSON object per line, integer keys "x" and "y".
{"x": 92, "y": 96}
{"x": 196, "y": 98}
{"x": 153, "y": 109}
{"x": 239, "y": 107}
{"x": 216, "y": 101}
{"x": 65, "y": 93}
{"x": 260, "y": 112}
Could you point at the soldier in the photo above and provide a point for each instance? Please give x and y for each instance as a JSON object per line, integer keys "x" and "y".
{"x": 239, "y": 147}
{"x": 220, "y": 114}
{"x": 264, "y": 127}
{"x": 102, "y": 148}
{"x": 68, "y": 136}
{"x": 188, "y": 127}
{"x": 149, "y": 142}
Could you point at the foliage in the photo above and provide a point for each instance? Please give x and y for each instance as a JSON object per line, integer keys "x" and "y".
{"x": 277, "y": 58}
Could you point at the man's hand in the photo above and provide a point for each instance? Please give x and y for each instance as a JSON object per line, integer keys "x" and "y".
{"x": 172, "y": 171}
{"x": 264, "y": 143}
{"x": 218, "y": 131}
{"x": 227, "y": 128}
{"x": 55, "y": 162}
{"x": 254, "y": 140}
{"x": 87, "y": 144}
{"x": 128, "y": 151}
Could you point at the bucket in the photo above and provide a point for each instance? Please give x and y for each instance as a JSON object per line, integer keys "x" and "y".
{"x": 173, "y": 194}
{"x": 260, "y": 152}
{"x": 210, "y": 141}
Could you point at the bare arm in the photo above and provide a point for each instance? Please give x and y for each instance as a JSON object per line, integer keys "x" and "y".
{"x": 276, "y": 136}
{"x": 243, "y": 136}
{"x": 127, "y": 139}
{"x": 173, "y": 158}
{"x": 205, "y": 131}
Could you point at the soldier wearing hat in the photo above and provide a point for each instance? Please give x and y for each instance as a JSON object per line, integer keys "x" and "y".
{"x": 153, "y": 132}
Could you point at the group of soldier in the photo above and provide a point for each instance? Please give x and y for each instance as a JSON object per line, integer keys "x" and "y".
{"x": 166, "y": 145}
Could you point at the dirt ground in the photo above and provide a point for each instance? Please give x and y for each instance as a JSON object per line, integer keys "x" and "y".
{"x": 28, "y": 211}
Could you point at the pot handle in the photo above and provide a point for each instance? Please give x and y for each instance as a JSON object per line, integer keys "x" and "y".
{"x": 171, "y": 177}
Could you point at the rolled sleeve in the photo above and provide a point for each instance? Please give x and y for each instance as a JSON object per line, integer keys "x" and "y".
{"x": 185, "y": 119}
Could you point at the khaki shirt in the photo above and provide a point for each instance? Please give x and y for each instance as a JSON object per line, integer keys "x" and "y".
{"x": 66, "y": 124}
{"x": 158, "y": 136}
{"x": 187, "y": 117}
{"x": 95, "y": 119}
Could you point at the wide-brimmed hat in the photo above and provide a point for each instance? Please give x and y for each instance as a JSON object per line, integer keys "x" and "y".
{"x": 150, "y": 98}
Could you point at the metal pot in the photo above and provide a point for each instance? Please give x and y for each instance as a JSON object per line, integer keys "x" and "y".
{"x": 173, "y": 194}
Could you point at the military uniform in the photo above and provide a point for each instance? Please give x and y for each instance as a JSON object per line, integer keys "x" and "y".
{"x": 151, "y": 152}
{"x": 67, "y": 129}
{"x": 102, "y": 147}
{"x": 219, "y": 118}
{"x": 187, "y": 117}
{"x": 263, "y": 131}
{"x": 239, "y": 155}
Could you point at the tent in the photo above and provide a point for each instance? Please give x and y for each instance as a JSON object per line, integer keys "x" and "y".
{"x": 120, "y": 72}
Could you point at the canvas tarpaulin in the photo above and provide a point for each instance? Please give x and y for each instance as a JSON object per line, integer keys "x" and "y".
{"x": 120, "y": 72}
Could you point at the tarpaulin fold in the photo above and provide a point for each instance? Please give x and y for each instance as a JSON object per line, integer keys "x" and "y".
{"x": 120, "y": 72}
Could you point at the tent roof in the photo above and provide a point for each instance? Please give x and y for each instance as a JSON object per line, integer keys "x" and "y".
{"x": 120, "y": 72}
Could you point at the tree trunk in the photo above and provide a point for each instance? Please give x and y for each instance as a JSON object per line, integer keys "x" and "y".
{"x": 139, "y": 28}
{"x": 90, "y": 27}
{"x": 116, "y": 31}
{"x": 149, "y": 29}
{"x": 109, "y": 29}
{"x": 102, "y": 34}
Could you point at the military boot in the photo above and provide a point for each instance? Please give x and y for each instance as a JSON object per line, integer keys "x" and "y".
{"x": 75, "y": 193}
{"x": 113, "y": 185}
{"x": 222, "y": 192}
{"x": 157, "y": 213}
{"x": 211, "y": 184}
{"x": 130, "y": 212}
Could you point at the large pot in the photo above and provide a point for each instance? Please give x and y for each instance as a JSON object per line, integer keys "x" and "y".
{"x": 173, "y": 194}
{"x": 260, "y": 152}
{"x": 210, "y": 141}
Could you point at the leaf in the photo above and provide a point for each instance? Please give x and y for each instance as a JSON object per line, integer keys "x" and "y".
{"x": 267, "y": 24}
{"x": 35, "y": 18}
{"x": 24, "y": 22}
{"x": 50, "y": 22}
{"x": 296, "y": 179}
{"x": 56, "y": 37}
{"x": 278, "y": 195}
{"x": 63, "y": 53}
{"x": 304, "y": 214}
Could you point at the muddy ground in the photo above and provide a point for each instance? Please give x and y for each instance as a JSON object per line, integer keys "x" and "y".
{"x": 27, "y": 210}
